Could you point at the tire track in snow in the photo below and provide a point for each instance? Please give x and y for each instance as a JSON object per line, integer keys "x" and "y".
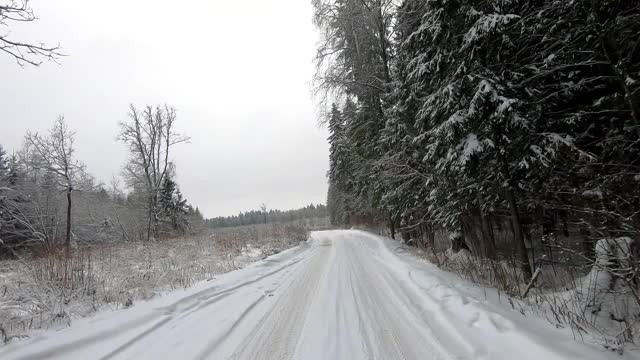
{"x": 345, "y": 296}
{"x": 224, "y": 301}
{"x": 276, "y": 335}
{"x": 213, "y": 345}
{"x": 193, "y": 301}
{"x": 394, "y": 335}
{"x": 62, "y": 349}
{"x": 160, "y": 317}
{"x": 136, "y": 339}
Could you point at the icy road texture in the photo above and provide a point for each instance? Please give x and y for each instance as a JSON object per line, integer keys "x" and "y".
{"x": 342, "y": 295}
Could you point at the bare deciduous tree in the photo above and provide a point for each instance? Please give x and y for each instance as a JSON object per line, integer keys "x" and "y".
{"x": 56, "y": 155}
{"x": 23, "y": 52}
{"x": 150, "y": 135}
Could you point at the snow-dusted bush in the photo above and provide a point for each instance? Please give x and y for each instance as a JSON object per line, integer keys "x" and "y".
{"x": 597, "y": 299}
{"x": 608, "y": 295}
{"x": 601, "y": 303}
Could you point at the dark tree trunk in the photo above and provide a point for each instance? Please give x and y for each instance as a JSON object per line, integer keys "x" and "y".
{"x": 382, "y": 37}
{"x": 488, "y": 242}
{"x": 67, "y": 241}
{"x": 392, "y": 227}
{"x": 516, "y": 223}
{"x": 151, "y": 224}
{"x": 588, "y": 246}
{"x": 517, "y": 234}
{"x": 428, "y": 235}
{"x": 149, "y": 227}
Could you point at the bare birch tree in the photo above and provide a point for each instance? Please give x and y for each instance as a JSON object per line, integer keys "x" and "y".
{"x": 150, "y": 136}
{"x": 56, "y": 155}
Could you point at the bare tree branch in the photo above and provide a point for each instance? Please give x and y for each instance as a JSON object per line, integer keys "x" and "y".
{"x": 23, "y": 52}
{"x": 150, "y": 135}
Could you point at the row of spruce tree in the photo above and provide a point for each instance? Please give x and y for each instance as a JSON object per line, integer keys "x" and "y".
{"x": 462, "y": 114}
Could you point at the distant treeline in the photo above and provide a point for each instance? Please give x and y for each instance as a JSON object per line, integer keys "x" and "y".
{"x": 264, "y": 216}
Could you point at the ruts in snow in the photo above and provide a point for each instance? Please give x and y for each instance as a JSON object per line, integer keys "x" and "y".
{"x": 341, "y": 295}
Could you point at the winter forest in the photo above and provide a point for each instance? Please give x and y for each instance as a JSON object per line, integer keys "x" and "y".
{"x": 482, "y": 116}
{"x": 510, "y": 129}
{"x": 48, "y": 195}
{"x": 483, "y": 174}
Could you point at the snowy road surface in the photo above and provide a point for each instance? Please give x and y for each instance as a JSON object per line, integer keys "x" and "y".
{"x": 341, "y": 295}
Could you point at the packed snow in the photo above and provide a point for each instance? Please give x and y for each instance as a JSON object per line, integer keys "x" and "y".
{"x": 340, "y": 295}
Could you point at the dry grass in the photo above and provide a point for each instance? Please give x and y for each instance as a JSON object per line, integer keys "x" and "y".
{"x": 51, "y": 290}
{"x": 567, "y": 295}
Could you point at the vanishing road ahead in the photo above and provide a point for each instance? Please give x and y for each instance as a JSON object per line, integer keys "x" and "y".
{"x": 341, "y": 295}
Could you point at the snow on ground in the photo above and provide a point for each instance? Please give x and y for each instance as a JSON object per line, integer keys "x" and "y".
{"x": 340, "y": 295}
{"x": 596, "y": 302}
{"x": 51, "y": 292}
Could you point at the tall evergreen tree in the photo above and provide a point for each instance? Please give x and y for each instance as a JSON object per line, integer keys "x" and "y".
{"x": 353, "y": 64}
{"x": 337, "y": 166}
{"x": 479, "y": 111}
{"x": 173, "y": 207}
{"x": 4, "y": 165}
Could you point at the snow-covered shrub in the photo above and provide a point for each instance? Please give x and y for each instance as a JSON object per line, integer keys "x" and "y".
{"x": 598, "y": 300}
{"x": 612, "y": 295}
{"x": 602, "y": 302}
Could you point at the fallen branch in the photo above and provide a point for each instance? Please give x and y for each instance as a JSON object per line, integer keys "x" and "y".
{"x": 531, "y": 282}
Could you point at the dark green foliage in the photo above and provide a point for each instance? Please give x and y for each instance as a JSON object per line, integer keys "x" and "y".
{"x": 173, "y": 207}
{"x": 4, "y": 165}
{"x": 353, "y": 63}
{"x": 493, "y": 113}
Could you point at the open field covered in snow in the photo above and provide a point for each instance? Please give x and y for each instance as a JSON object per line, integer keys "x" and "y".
{"x": 51, "y": 291}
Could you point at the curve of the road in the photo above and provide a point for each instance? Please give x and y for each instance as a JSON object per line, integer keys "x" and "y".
{"x": 341, "y": 295}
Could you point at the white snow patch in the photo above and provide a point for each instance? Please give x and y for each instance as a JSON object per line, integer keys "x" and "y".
{"x": 341, "y": 295}
{"x": 595, "y": 194}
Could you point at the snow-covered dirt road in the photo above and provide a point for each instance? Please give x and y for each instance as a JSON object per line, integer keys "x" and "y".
{"x": 341, "y": 295}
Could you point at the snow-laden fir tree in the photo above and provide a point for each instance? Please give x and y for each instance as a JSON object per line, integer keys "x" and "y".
{"x": 173, "y": 207}
{"x": 488, "y": 113}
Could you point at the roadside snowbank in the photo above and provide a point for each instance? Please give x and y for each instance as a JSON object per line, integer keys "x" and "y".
{"x": 599, "y": 306}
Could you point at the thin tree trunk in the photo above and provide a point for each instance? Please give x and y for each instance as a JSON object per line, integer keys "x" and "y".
{"x": 150, "y": 214}
{"x": 515, "y": 221}
{"x": 149, "y": 228}
{"x": 517, "y": 234}
{"x": 382, "y": 36}
{"x": 68, "y": 235}
{"x": 392, "y": 226}
{"x": 488, "y": 241}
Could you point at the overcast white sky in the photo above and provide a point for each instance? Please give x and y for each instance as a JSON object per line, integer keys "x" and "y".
{"x": 237, "y": 71}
